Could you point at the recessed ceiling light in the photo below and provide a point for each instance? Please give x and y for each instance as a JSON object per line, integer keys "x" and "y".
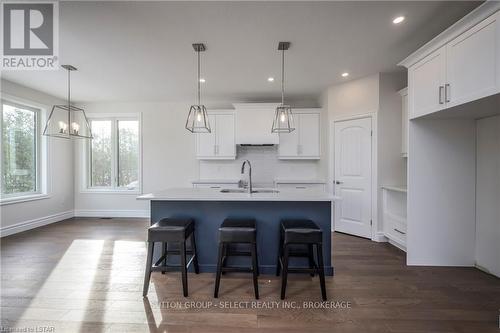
{"x": 270, "y": 79}
{"x": 345, "y": 74}
{"x": 202, "y": 80}
{"x": 398, "y": 19}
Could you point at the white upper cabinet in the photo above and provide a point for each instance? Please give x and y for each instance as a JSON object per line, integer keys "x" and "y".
{"x": 464, "y": 67}
{"x": 304, "y": 142}
{"x": 226, "y": 146}
{"x": 220, "y": 143}
{"x": 473, "y": 62}
{"x": 426, "y": 84}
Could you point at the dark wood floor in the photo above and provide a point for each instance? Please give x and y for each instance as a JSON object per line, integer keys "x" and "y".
{"x": 85, "y": 275}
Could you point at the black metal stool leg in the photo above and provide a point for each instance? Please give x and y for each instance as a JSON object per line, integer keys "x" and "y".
{"x": 255, "y": 270}
{"x": 285, "y": 271}
{"x": 164, "y": 252}
{"x": 219, "y": 270}
{"x": 183, "y": 268}
{"x": 311, "y": 257}
{"x": 321, "y": 270}
{"x": 225, "y": 251}
{"x": 195, "y": 254}
{"x": 147, "y": 274}
{"x": 280, "y": 255}
{"x": 257, "y": 259}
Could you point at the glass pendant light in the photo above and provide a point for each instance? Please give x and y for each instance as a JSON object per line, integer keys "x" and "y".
{"x": 66, "y": 121}
{"x": 283, "y": 118}
{"x": 197, "y": 120}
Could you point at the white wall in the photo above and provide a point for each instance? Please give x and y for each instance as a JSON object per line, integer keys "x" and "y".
{"x": 59, "y": 204}
{"x": 391, "y": 168}
{"x": 168, "y": 155}
{"x": 488, "y": 195}
{"x": 378, "y": 96}
{"x": 441, "y": 192}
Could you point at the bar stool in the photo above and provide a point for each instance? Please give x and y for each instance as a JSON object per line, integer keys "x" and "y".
{"x": 237, "y": 231}
{"x": 294, "y": 233}
{"x": 171, "y": 230}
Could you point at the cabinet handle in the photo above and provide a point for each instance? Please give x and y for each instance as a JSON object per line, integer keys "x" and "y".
{"x": 300, "y": 187}
{"x": 447, "y": 92}
{"x": 441, "y": 88}
{"x": 214, "y": 186}
{"x": 338, "y": 182}
{"x": 401, "y": 232}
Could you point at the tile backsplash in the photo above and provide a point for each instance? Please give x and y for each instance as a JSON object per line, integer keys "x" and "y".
{"x": 265, "y": 166}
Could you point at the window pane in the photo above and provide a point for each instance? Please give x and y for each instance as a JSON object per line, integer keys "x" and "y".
{"x": 101, "y": 155}
{"x": 128, "y": 154}
{"x": 18, "y": 150}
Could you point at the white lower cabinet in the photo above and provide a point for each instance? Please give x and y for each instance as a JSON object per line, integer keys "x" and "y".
{"x": 302, "y": 187}
{"x": 394, "y": 215}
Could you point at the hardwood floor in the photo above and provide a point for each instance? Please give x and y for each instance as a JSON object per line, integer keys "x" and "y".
{"x": 86, "y": 275}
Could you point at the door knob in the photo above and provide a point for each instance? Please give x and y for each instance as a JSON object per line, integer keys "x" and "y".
{"x": 338, "y": 182}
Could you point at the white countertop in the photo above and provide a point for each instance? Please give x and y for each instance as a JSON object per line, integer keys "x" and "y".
{"x": 203, "y": 194}
{"x": 395, "y": 188}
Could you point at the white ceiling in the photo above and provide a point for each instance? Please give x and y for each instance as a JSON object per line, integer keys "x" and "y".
{"x": 141, "y": 51}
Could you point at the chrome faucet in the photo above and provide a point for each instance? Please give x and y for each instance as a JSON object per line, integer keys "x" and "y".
{"x": 249, "y": 174}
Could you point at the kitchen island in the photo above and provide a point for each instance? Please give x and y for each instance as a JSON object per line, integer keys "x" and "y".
{"x": 209, "y": 207}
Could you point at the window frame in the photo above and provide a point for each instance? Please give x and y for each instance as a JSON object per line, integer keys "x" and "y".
{"x": 41, "y": 152}
{"x": 114, "y": 188}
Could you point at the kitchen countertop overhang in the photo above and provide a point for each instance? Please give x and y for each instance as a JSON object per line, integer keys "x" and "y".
{"x": 202, "y": 194}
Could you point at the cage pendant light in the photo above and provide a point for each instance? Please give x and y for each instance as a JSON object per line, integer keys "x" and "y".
{"x": 66, "y": 121}
{"x": 283, "y": 118}
{"x": 197, "y": 120}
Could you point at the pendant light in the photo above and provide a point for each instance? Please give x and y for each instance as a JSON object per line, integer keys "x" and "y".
{"x": 197, "y": 120}
{"x": 66, "y": 121}
{"x": 283, "y": 118}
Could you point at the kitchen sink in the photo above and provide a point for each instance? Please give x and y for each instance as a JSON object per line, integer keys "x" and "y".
{"x": 241, "y": 190}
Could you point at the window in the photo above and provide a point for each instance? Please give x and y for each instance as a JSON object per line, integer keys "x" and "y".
{"x": 114, "y": 154}
{"x": 20, "y": 152}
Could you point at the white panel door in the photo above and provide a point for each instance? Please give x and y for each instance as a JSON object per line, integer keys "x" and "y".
{"x": 472, "y": 60}
{"x": 353, "y": 176}
{"x": 289, "y": 142}
{"x": 206, "y": 143}
{"x": 309, "y": 135}
{"x": 226, "y": 146}
{"x": 426, "y": 84}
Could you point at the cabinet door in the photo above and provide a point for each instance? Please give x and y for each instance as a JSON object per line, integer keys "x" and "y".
{"x": 472, "y": 60}
{"x": 426, "y": 81}
{"x": 206, "y": 143}
{"x": 226, "y": 146}
{"x": 289, "y": 142}
{"x": 309, "y": 135}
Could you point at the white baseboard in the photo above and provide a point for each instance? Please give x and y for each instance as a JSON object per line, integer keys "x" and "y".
{"x": 111, "y": 213}
{"x": 35, "y": 223}
{"x": 379, "y": 237}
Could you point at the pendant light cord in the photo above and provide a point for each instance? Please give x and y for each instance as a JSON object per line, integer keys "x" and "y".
{"x": 199, "y": 83}
{"x": 69, "y": 89}
{"x": 283, "y": 76}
